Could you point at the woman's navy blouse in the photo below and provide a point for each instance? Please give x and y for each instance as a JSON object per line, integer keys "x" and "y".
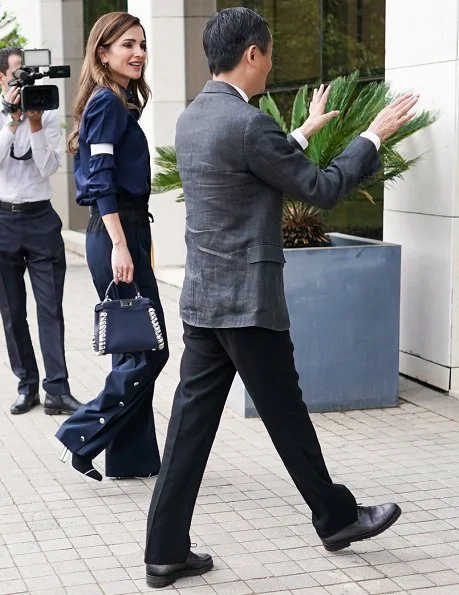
{"x": 101, "y": 178}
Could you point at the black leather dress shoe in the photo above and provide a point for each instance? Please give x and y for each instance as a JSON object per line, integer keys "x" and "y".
{"x": 162, "y": 575}
{"x": 60, "y": 404}
{"x": 24, "y": 403}
{"x": 371, "y": 521}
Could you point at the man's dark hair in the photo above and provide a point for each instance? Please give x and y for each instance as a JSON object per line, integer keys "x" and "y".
{"x": 5, "y": 53}
{"x": 229, "y": 33}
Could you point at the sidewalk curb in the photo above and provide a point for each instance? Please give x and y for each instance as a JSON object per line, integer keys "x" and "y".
{"x": 74, "y": 242}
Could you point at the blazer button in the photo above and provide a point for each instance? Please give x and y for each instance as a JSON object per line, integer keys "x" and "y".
{"x": 121, "y": 404}
{"x": 82, "y": 438}
{"x": 102, "y": 420}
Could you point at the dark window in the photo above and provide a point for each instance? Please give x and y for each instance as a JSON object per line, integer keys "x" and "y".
{"x": 93, "y": 10}
{"x": 321, "y": 39}
{"x": 316, "y": 41}
{"x": 353, "y": 38}
{"x": 295, "y": 26}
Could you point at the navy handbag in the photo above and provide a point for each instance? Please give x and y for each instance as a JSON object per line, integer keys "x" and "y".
{"x": 126, "y": 325}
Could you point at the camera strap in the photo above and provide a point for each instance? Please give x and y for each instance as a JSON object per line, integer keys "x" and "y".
{"x": 9, "y": 107}
{"x": 27, "y": 155}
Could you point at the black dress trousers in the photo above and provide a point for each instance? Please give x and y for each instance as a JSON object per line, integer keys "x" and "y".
{"x": 120, "y": 419}
{"x": 32, "y": 240}
{"x": 264, "y": 360}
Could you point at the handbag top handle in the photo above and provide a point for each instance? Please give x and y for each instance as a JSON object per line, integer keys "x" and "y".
{"x": 112, "y": 283}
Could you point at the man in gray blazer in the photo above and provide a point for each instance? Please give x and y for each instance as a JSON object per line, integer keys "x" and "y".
{"x": 235, "y": 164}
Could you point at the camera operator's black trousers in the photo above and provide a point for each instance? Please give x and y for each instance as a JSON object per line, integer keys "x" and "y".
{"x": 264, "y": 360}
{"x": 32, "y": 240}
{"x": 120, "y": 419}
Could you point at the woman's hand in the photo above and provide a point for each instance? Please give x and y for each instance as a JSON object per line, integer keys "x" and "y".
{"x": 122, "y": 265}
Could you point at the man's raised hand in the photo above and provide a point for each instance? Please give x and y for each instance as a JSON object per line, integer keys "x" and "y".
{"x": 394, "y": 116}
{"x": 317, "y": 117}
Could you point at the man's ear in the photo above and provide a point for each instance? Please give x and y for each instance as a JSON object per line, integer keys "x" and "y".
{"x": 251, "y": 53}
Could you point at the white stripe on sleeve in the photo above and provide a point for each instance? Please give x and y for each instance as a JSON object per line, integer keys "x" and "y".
{"x": 102, "y": 148}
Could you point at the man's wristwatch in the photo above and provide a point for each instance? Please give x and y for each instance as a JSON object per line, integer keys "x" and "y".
{"x": 10, "y": 121}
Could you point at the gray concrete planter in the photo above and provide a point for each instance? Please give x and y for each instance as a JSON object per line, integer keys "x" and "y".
{"x": 344, "y": 304}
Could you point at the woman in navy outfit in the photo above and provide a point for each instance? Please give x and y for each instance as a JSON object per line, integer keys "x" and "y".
{"x": 112, "y": 176}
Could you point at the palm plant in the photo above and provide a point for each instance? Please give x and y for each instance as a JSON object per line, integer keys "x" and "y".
{"x": 9, "y": 31}
{"x": 303, "y": 225}
{"x": 168, "y": 177}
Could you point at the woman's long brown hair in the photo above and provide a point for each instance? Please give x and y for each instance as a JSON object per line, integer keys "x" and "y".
{"x": 105, "y": 31}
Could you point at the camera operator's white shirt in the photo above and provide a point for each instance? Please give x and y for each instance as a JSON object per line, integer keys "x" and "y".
{"x": 28, "y": 181}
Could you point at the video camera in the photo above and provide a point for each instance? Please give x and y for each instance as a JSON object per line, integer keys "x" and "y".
{"x": 41, "y": 97}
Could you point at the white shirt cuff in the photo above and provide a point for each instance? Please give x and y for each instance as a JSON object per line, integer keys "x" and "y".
{"x": 300, "y": 138}
{"x": 373, "y": 137}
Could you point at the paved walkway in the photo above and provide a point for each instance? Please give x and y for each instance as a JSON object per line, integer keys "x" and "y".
{"x": 60, "y": 533}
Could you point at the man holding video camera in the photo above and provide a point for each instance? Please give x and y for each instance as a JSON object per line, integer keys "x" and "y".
{"x": 30, "y": 238}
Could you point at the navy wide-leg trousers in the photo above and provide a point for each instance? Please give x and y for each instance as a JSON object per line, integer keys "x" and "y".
{"x": 120, "y": 419}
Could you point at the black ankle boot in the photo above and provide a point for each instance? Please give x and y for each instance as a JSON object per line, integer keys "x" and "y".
{"x": 55, "y": 405}
{"x": 84, "y": 465}
{"x": 25, "y": 403}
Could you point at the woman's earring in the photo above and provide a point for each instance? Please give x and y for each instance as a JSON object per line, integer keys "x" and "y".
{"x": 104, "y": 64}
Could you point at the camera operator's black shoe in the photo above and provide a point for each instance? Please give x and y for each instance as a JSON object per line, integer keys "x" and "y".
{"x": 162, "y": 575}
{"x": 61, "y": 404}
{"x": 25, "y": 403}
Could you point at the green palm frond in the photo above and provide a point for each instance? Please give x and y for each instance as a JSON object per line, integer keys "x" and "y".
{"x": 420, "y": 121}
{"x": 269, "y": 106}
{"x": 166, "y": 157}
{"x": 357, "y": 110}
{"x": 300, "y": 108}
{"x": 168, "y": 178}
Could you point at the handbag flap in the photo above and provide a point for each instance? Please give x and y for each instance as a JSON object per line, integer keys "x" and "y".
{"x": 142, "y": 303}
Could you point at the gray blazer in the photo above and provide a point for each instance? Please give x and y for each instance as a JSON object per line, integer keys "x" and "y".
{"x": 235, "y": 164}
